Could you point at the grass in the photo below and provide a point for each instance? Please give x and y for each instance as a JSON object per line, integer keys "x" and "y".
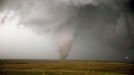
{"x": 30, "y": 67}
{"x": 59, "y": 73}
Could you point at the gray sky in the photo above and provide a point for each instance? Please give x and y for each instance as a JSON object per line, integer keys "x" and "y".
{"x": 72, "y": 29}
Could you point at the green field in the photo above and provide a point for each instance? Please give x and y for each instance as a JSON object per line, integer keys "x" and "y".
{"x": 55, "y": 67}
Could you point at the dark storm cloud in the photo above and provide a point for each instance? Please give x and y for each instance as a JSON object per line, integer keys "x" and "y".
{"x": 105, "y": 24}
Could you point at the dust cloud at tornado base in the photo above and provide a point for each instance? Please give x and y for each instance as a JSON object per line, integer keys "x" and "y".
{"x": 83, "y": 29}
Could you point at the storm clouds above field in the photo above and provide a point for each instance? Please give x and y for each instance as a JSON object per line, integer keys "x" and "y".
{"x": 72, "y": 29}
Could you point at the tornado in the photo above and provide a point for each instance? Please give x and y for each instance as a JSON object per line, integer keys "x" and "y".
{"x": 65, "y": 42}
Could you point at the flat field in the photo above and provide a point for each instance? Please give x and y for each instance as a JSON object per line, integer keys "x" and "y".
{"x": 66, "y": 67}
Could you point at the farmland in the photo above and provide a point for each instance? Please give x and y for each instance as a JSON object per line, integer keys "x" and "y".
{"x": 66, "y": 67}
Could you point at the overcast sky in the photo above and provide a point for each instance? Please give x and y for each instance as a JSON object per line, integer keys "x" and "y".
{"x": 72, "y": 29}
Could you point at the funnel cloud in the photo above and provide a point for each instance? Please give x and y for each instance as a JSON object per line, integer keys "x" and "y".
{"x": 81, "y": 29}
